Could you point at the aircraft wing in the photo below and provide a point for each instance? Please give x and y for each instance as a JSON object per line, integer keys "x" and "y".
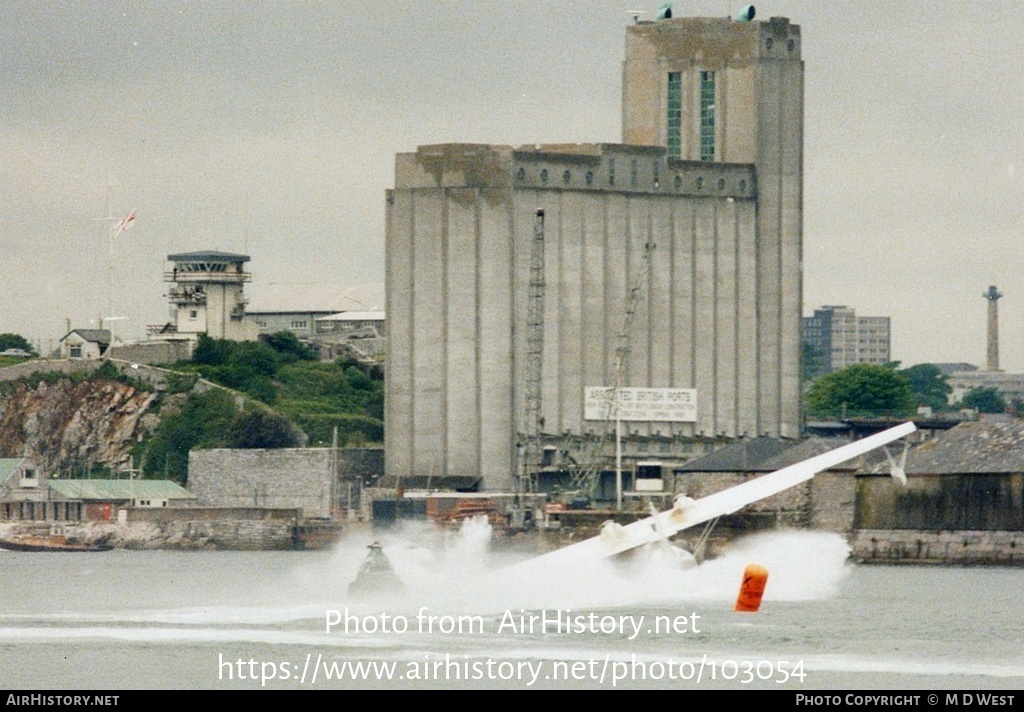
{"x": 689, "y": 513}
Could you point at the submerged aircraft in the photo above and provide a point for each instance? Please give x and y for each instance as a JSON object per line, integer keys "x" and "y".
{"x": 686, "y": 512}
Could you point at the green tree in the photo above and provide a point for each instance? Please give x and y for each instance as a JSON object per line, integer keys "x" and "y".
{"x": 356, "y": 378}
{"x": 261, "y": 428}
{"x": 204, "y": 420}
{"x": 289, "y": 348}
{"x": 929, "y": 385}
{"x": 985, "y": 400}
{"x": 1016, "y": 407}
{"x": 255, "y": 357}
{"x": 860, "y": 390}
{"x": 14, "y": 341}
{"x": 211, "y": 352}
{"x": 245, "y": 366}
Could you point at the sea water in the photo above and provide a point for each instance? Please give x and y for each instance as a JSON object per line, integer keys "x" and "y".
{"x": 470, "y": 616}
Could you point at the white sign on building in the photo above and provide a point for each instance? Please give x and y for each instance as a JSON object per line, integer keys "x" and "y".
{"x": 647, "y": 404}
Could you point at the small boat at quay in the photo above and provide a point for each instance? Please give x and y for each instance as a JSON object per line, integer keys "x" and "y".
{"x": 34, "y": 542}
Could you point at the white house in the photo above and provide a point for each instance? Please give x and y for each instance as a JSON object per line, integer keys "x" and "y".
{"x": 85, "y": 343}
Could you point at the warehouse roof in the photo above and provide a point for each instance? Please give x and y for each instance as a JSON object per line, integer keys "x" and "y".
{"x": 107, "y": 490}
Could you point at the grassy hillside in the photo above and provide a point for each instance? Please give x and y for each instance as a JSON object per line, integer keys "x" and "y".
{"x": 287, "y": 376}
{"x": 321, "y": 396}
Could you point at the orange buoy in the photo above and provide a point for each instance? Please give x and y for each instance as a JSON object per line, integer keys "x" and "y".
{"x": 752, "y": 589}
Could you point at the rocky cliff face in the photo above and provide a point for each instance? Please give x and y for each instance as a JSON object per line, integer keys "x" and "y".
{"x": 67, "y": 426}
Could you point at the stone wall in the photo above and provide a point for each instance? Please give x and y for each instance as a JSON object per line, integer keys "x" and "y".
{"x": 187, "y": 529}
{"x": 154, "y": 376}
{"x": 208, "y": 514}
{"x": 289, "y": 477}
{"x": 27, "y": 368}
{"x": 954, "y": 548}
{"x": 831, "y": 502}
{"x": 153, "y": 352}
{"x": 224, "y": 533}
{"x": 825, "y": 502}
{"x": 948, "y": 502}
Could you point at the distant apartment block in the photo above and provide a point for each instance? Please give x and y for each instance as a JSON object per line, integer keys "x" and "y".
{"x": 839, "y": 338}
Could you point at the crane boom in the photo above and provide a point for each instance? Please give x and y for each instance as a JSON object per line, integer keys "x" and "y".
{"x": 532, "y": 426}
{"x": 587, "y": 478}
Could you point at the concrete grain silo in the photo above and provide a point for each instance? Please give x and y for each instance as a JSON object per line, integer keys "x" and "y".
{"x": 699, "y": 210}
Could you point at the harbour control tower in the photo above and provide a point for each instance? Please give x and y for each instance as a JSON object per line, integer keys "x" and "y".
{"x": 206, "y": 297}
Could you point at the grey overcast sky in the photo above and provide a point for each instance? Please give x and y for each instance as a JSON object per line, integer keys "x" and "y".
{"x": 270, "y": 128}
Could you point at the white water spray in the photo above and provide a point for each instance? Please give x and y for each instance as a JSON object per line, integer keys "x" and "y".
{"x": 458, "y": 571}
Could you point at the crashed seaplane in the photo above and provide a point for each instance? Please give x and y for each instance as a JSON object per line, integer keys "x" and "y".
{"x": 616, "y": 539}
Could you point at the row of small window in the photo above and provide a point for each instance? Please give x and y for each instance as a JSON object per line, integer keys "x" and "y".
{"x": 673, "y": 446}
{"x": 262, "y": 324}
{"x": 201, "y": 267}
{"x": 589, "y": 178}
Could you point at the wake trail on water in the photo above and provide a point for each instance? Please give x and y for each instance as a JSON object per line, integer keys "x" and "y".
{"x": 464, "y": 572}
{"x": 460, "y": 571}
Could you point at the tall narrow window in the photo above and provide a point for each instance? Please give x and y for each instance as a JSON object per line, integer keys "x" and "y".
{"x": 674, "y": 118}
{"x": 707, "y": 116}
